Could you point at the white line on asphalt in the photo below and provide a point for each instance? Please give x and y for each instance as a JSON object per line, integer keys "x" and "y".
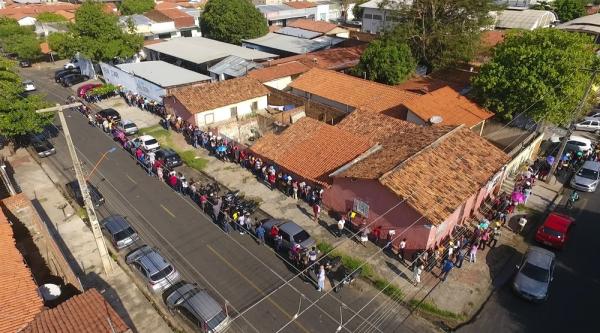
{"x": 167, "y": 210}
{"x": 133, "y": 181}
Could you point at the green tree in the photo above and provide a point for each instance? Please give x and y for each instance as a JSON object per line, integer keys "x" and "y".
{"x": 357, "y": 11}
{"x": 386, "y": 61}
{"x": 567, "y": 10}
{"x": 231, "y": 21}
{"x": 442, "y": 33}
{"x": 17, "y": 111}
{"x": 539, "y": 72}
{"x": 50, "y": 17}
{"x": 18, "y": 40}
{"x": 130, "y": 7}
{"x": 97, "y": 35}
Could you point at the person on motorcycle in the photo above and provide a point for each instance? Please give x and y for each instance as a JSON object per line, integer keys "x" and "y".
{"x": 574, "y": 196}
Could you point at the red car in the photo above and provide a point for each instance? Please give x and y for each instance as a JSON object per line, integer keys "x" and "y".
{"x": 81, "y": 91}
{"x": 554, "y": 230}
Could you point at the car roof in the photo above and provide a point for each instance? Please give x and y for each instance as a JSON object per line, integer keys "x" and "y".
{"x": 27, "y": 81}
{"x": 152, "y": 260}
{"x": 558, "y": 222}
{"x": 125, "y": 122}
{"x": 146, "y": 137}
{"x": 539, "y": 257}
{"x": 109, "y": 110}
{"x": 200, "y": 303}
{"x": 168, "y": 151}
{"x": 592, "y": 165}
{"x": 290, "y": 227}
{"x": 115, "y": 223}
{"x": 580, "y": 138}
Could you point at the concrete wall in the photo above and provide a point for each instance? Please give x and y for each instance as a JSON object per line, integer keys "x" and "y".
{"x": 224, "y": 113}
{"x": 340, "y": 106}
{"x": 239, "y": 131}
{"x": 312, "y": 108}
{"x": 173, "y": 106}
{"x": 280, "y": 83}
{"x": 413, "y": 118}
{"x": 523, "y": 154}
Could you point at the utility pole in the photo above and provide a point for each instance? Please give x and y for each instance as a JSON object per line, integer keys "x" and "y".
{"x": 89, "y": 206}
{"x": 563, "y": 143}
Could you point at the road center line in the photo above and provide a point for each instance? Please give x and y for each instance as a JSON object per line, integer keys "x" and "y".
{"x": 133, "y": 181}
{"x": 167, "y": 210}
{"x": 255, "y": 286}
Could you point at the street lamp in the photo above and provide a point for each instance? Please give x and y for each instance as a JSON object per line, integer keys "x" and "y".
{"x": 89, "y": 206}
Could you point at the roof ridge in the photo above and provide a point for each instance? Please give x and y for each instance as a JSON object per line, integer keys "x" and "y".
{"x": 431, "y": 145}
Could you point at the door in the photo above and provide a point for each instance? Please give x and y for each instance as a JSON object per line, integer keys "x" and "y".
{"x": 233, "y": 111}
{"x": 286, "y": 239}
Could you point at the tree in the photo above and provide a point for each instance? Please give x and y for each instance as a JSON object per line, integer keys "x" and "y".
{"x": 386, "y": 61}
{"x": 357, "y": 11}
{"x": 567, "y": 10}
{"x": 49, "y": 17}
{"x": 539, "y": 72}
{"x": 17, "y": 111}
{"x": 231, "y": 21}
{"x": 97, "y": 35}
{"x": 18, "y": 40}
{"x": 130, "y": 7}
{"x": 442, "y": 33}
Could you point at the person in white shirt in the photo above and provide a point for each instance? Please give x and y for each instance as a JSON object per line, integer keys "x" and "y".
{"x": 340, "y": 226}
{"x": 522, "y": 224}
{"x": 401, "y": 249}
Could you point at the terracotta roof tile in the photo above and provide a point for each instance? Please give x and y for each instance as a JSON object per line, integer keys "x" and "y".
{"x": 209, "y": 96}
{"x": 352, "y": 91}
{"x": 165, "y": 5}
{"x": 88, "y": 312}
{"x": 311, "y": 149}
{"x": 438, "y": 180}
{"x": 181, "y": 19}
{"x": 19, "y": 11}
{"x": 300, "y": 4}
{"x": 446, "y": 102}
{"x": 157, "y": 16}
{"x": 312, "y": 25}
{"x": 278, "y": 71}
{"x": 19, "y": 298}
{"x": 334, "y": 59}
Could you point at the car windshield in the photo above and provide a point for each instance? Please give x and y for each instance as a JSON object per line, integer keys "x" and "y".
{"x": 551, "y": 232}
{"x": 129, "y": 125}
{"x": 588, "y": 173}
{"x": 162, "y": 274}
{"x": 301, "y": 237}
{"x": 535, "y": 272}
{"x": 124, "y": 234}
{"x": 216, "y": 320}
{"x": 150, "y": 142}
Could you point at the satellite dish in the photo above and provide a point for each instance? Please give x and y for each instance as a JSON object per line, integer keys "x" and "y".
{"x": 50, "y": 291}
{"x": 436, "y": 120}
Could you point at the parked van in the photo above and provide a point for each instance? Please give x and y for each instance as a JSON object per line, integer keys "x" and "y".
{"x": 197, "y": 307}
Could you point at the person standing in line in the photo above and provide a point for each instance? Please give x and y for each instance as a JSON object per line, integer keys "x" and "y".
{"x": 340, "y": 226}
{"x": 460, "y": 257}
{"x": 473, "y": 252}
{"x": 260, "y": 233}
{"x": 417, "y": 270}
{"x": 446, "y": 268}
{"x": 522, "y": 224}
{"x": 278, "y": 241}
{"x": 321, "y": 278}
{"x": 316, "y": 211}
{"x": 242, "y": 224}
{"x": 401, "y": 250}
{"x": 494, "y": 237}
{"x": 312, "y": 258}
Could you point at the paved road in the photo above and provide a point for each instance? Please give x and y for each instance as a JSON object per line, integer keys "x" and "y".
{"x": 573, "y": 302}
{"x": 233, "y": 267}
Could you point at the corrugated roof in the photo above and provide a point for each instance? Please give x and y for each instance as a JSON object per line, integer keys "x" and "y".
{"x": 157, "y": 16}
{"x": 528, "y": 19}
{"x": 589, "y": 24}
{"x": 199, "y": 50}
{"x": 297, "y": 32}
{"x": 233, "y": 66}
{"x": 19, "y": 298}
{"x": 352, "y": 91}
{"x": 88, "y": 312}
{"x": 288, "y": 44}
{"x": 278, "y": 71}
{"x": 311, "y": 149}
{"x": 300, "y": 4}
{"x": 334, "y": 59}
{"x": 162, "y": 73}
{"x": 209, "y": 96}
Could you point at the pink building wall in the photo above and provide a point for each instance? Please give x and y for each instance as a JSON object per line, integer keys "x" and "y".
{"x": 173, "y": 106}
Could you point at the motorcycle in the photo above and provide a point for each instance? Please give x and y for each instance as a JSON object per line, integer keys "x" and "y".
{"x": 348, "y": 278}
{"x": 572, "y": 199}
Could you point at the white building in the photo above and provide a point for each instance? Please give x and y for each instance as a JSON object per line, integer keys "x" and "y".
{"x": 378, "y": 16}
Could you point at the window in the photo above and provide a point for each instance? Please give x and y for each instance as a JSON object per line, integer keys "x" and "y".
{"x": 254, "y": 106}
{"x": 209, "y": 118}
{"x": 186, "y": 33}
{"x": 586, "y": 123}
{"x": 367, "y": 16}
{"x": 189, "y": 316}
{"x": 164, "y": 36}
{"x": 377, "y": 17}
{"x": 233, "y": 111}
{"x": 284, "y": 235}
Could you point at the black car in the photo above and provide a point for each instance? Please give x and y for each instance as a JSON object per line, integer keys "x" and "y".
{"x": 168, "y": 157}
{"x": 109, "y": 114}
{"x": 43, "y": 148}
{"x": 73, "y": 79}
{"x": 75, "y": 193}
{"x": 25, "y": 63}
{"x": 64, "y": 72}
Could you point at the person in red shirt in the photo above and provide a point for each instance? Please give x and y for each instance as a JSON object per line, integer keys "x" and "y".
{"x": 173, "y": 180}
{"x": 274, "y": 231}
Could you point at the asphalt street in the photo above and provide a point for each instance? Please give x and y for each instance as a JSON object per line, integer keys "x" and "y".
{"x": 573, "y": 301}
{"x": 233, "y": 267}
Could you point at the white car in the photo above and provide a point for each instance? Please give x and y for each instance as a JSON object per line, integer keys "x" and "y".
{"x": 578, "y": 143}
{"x": 28, "y": 85}
{"x": 74, "y": 63}
{"x": 148, "y": 143}
{"x": 589, "y": 125}
{"x": 593, "y": 116}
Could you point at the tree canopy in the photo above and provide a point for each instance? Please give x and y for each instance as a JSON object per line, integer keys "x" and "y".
{"x": 567, "y": 10}
{"x": 441, "y": 33}
{"x": 17, "y": 111}
{"x": 129, "y": 7}
{"x": 231, "y": 21}
{"x": 18, "y": 40}
{"x": 540, "y": 72}
{"x": 97, "y": 35}
{"x": 50, "y": 17}
{"x": 357, "y": 11}
{"x": 386, "y": 61}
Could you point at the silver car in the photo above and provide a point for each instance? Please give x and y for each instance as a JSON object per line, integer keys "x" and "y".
{"x": 534, "y": 275}
{"x": 128, "y": 127}
{"x": 153, "y": 268}
{"x": 586, "y": 178}
{"x": 290, "y": 232}
{"x": 120, "y": 233}
{"x": 197, "y": 307}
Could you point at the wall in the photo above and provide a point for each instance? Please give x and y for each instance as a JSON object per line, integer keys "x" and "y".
{"x": 368, "y": 23}
{"x": 340, "y": 106}
{"x": 280, "y": 83}
{"x": 410, "y": 116}
{"x": 132, "y": 83}
{"x": 162, "y": 27}
{"x": 239, "y": 131}
{"x": 524, "y": 153}
{"x": 224, "y": 113}
{"x": 312, "y": 108}
{"x": 173, "y": 106}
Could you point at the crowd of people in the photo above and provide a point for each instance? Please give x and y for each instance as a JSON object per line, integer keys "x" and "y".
{"x": 143, "y": 103}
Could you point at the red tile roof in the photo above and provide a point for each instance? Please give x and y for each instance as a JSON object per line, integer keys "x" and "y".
{"x": 352, "y": 91}
{"x": 334, "y": 59}
{"x": 18, "y": 11}
{"x": 181, "y": 19}
{"x": 19, "y": 298}
{"x": 446, "y": 102}
{"x": 278, "y": 71}
{"x": 157, "y": 16}
{"x": 311, "y": 149}
{"x": 300, "y": 4}
{"x": 85, "y": 313}
{"x": 312, "y": 25}
{"x": 209, "y": 96}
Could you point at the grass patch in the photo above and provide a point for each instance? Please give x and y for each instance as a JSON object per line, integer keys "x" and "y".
{"x": 160, "y": 134}
{"x": 189, "y": 157}
{"x": 324, "y": 247}
{"x": 431, "y": 308}
{"x": 392, "y": 291}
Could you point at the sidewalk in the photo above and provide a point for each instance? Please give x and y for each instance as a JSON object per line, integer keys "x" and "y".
{"x": 80, "y": 247}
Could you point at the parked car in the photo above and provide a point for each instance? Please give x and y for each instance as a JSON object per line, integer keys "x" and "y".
{"x": 73, "y": 63}
{"x": 553, "y": 232}
{"x": 118, "y": 230}
{"x": 158, "y": 273}
{"x": 595, "y": 115}
{"x": 28, "y": 85}
{"x": 64, "y": 72}
{"x": 535, "y": 274}
{"x": 75, "y": 192}
{"x": 81, "y": 91}
{"x": 587, "y": 177}
{"x": 589, "y": 125}
{"x": 43, "y": 147}
{"x": 108, "y": 114}
{"x": 73, "y": 79}
{"x": 197, "y": 307}
{"x": 147, "y": 142}
{"x": 578, "y": 143}
{"x": 168, "y": 157}
{"x": 290, "y": 232}
{"x": 127, "y": 126}
{"x": 24, "y": 63}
